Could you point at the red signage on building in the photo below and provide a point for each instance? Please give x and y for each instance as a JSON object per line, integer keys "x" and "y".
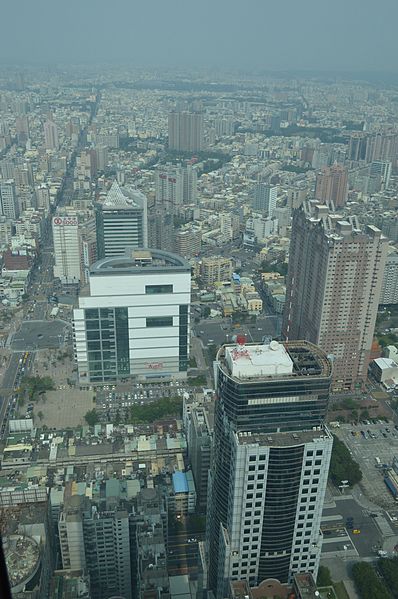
{"x": 154, "y": 365}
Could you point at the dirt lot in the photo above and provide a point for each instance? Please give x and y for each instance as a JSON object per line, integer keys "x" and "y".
{"x": 63, "y": 408}
{"x": 58, "y": 364}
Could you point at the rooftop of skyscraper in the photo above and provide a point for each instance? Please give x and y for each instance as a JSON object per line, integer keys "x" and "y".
{"x": 136, "y": 260}
{"x": 123, "y": 198}
{"x": 284, "y": 439}
{"x": 245, "y": 361}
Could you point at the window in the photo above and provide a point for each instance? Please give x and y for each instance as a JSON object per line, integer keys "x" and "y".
{"x": 159, "y": 321}
{"x": 152, "y": 289}
{"x": 252, "y": 458}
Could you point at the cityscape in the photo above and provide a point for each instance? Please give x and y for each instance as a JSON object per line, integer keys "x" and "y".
{"x": 198, "y": 318}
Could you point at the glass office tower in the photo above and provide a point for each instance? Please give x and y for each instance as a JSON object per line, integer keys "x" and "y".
{"x": 270, "y": 462}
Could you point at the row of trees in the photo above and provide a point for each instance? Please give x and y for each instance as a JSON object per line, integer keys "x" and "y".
{"x": 342, "y": 466}
{"x": 166, "y": 406}
{"x": 368, "y": 584}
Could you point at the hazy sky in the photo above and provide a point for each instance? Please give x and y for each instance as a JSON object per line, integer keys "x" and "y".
{"x": 269, "y": 34}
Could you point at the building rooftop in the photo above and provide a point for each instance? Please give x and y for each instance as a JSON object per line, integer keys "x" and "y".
{"x": 137, "y": 260}
{"x": 306, "y": 586}
{"x": 248, "y": 361}
{"x": 22, "y": 558}
{"x": 384, "y": 363}
{"x": 286, "y": 439}
{"x": 180, "y": 482}
{"x": 15, "y": 261}
{"x": 126, "y": 198}
{"x": 258, "y": 360}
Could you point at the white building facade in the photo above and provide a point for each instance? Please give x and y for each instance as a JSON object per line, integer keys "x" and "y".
{"x": 135, "y": 322}
{"x": 67, "y": 266}
{"x": 389, "y": 286}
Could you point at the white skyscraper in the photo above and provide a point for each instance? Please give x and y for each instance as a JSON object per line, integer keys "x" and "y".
{"x": 135, "y": 322}
{"x": 66, "y": 238}
{"x": 389, "y": 287}
{"x": 8, "y": 197}
{"x": 97, "y": 542}
{"x": 43, "y": 196}
{"x": 176, "y": 186}
{"x": 264, "y": 198}
{"x": 51, "y": 140}
{"x": 186, "y": 131}
{"x": 121, "y": 221}
{"x": 271, "y": 456}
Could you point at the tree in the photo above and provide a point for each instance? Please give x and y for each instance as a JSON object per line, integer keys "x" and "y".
{"x": 280, "y": 267}
{"x": 389, "y": 569}
{"x": 197, "y": 381}
{"x": 212, "y": 349}
{"x": 40, "y": 415}
{"x": 324, "y": 579}
{"x": 369, "y": 586}
{"x": 342, "y": 466}
{"x": 37, "y": 385}
{"x": 91, "y": 417}
{"x": 206, "y": 311}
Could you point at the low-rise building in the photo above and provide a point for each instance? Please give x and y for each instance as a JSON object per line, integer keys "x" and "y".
{"x": 182, "y": 500}
{"x": 215, "y": 269}
{"x": 384, "y": 371}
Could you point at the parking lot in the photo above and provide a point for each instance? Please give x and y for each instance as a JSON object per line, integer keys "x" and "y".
{"x": 367, "y": 442}
{"x": 112, "y": 399}
{"x": 219, "y": 331}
